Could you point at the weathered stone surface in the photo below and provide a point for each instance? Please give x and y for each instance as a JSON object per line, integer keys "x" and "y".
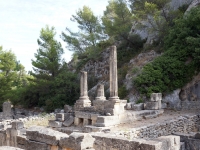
{"x": 77, "y": 141}
{"x": 68, "y": 122}
{"x": 55, "y": 124}
{"x": 32, "y": 145}
{"x": 195, "y": 3}
{"x": 113, "y": 74}
{"x": 60, "y": 117}
{"x": 21, "y": 139}
{"x": 9, "y": 148}
{"x": 151, "y": 105}
{"x": 173, "y": 101}
{"x": 197, "y": 136}
{"x": 156, "y": 97}
{"x": 17, "y": 125}
{"x": 67, "y": 109}
{"x": 100, "y": 92}
{"x": 45, "y": 135}
{"x": 151, "y": 145}
{"x": 7, "y": 114}
{"x": 83, "y": 100}
{"x": 1, "y": 126}
{"x": 138, "y": 107}
{"x": 128, "y": 106}
{"x": 99, "y": 106}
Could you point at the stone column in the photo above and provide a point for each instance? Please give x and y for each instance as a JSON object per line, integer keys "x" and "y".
{"x": 83, "y": 86}
{"x": 100, "y": 92}
{"x": 83, "y": 100}
{"x": 113, "y": 75}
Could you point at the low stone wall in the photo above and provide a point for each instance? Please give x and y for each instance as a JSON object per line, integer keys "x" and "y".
{"x": 106, "y": 142}
{"x": 182, "y": 124}
{"x": 41, "y": 138}
{"x": 190, "y": 105}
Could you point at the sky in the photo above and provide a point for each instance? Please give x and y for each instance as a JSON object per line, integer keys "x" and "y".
{"x": 22, "y": 20}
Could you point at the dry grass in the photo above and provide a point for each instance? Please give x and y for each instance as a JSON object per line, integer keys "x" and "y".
{"x": 39, "y": 122}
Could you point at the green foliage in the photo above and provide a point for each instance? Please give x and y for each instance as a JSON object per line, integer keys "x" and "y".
{"x": 140, "y": 100}
{"x": 135, "y": 70}
{"x": 48, "y": 57}
{"x": 179, "y": 63}
{"x": 127, "y": 50}
{"x": 117, "y": 20}
{"x": 154, "y": 15}
{"x": 122, "y": 92}
{"x": 89, "y": 34}
{"x": 7, "y": 73}
{"x": 51, "y": 84}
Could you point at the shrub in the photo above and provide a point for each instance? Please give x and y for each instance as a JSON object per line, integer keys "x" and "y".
{"x": 180, "y": 61}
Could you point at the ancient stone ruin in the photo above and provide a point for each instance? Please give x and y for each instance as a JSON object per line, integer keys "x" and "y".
{"x": 91, "y": 125}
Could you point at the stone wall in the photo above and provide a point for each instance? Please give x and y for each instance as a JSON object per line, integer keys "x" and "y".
{"x": 41, "y": 138}
{"x": 182, "y": 124}
{"x": 105, "y": 142}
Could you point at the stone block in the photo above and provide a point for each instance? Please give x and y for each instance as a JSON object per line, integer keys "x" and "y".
{"x": 182, "y": 147}
{"x": 66, "y": 116}
{"x": 60, "y": 117}
{"x": 138, "y": 107}
{"x": 9, "y": 148}
{"x": 55, "y": 124}
{"x": 68, "y": 122}
{"x": 156, "y": 97}
{"x": 67, "y": 108}
{"x": 152, "y": 105}
{"x": 99, "y": 105}
{"x": 58, "y": 110}
{"x": 77, "y": 121}
{"x": 33, "y": 145}
{"x": 77, "y": 141}
{"x": 128, "y": 106}
{"x": 81, "y": 114}
{"x": 1, "y": 126}
{"x": 17, "y": 125}
{"x": 80, "y": 104}
{"x": 163, "y": 105}
{"x": 151, "y": 145}
{"x": 21, "y": 139}
{"x": 45, "y": 135}
{"x": 85, "y": 122}
{"x": 197, "y": 135}
{"x": 7, "y": 114}
{"x": 172, "y": 142}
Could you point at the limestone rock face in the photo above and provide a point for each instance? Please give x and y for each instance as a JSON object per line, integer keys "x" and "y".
{"x": 194, "y": 3}
{"x": 173, "y": 101}
{"x": 191, "y": 91}
{"x": 144, "y": 32}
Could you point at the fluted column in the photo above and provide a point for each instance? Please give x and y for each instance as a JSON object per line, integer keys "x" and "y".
{"x": 83, "y": 86}
{"x": 100, "y": 92}
{"x": 113, "y": 74}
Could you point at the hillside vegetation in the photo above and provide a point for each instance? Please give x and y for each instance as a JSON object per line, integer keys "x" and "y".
{"x": 52, "y": 83}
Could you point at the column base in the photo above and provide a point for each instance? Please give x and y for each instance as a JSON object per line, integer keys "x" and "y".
{"x": 114, "y": 107}
{"x": 100, "y": 98}
{"x": 116, "y": 98}
{"x": 80, "y": 104}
